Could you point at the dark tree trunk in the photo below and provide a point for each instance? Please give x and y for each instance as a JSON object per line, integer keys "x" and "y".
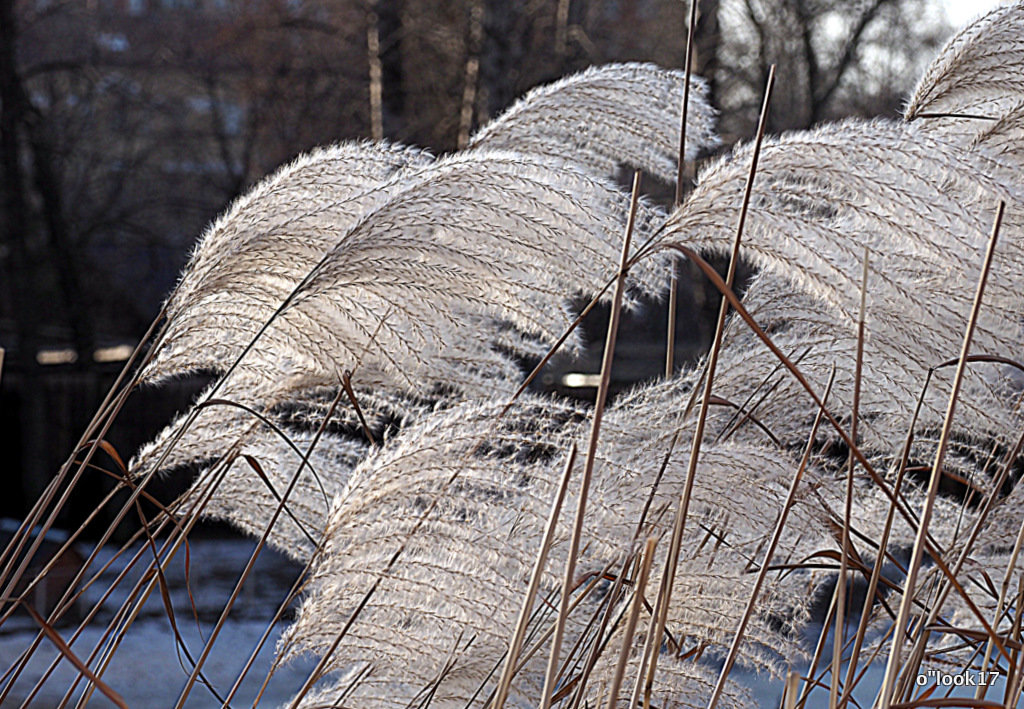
{"x": 23, "y": 124}
{"x": 17, "y": 266}
{"x": 707, "y": 37}
{"x": 389, "y": 24}
{"x": 62, "y": 253}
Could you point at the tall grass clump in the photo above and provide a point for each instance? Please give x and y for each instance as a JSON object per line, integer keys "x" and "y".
{"x": 841, "y": 470}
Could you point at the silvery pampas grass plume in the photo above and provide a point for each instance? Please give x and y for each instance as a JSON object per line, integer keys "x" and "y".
{"x": 255, "y": 467}
{"x": 632, "y": 118}
{"x": 976, "y": 77}
{"x": 473, "y": 554}
{"x": 462, "y": 244}
{"x": 254, "y": 255}
{"x": 473, "y": 550}
{"x": 921, "y": 209}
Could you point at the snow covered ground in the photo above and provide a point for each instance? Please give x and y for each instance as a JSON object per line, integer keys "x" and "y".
{"x": 147, "y": 669}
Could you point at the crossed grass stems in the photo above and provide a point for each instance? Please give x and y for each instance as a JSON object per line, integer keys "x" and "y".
{"x": 541, "y": 623}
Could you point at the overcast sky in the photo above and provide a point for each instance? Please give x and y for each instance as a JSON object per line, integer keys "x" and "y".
{"x": 960, "y": 11}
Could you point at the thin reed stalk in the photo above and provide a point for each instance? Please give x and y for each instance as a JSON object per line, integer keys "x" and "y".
{"x": 810, "y": 682}
{"x": 376, "y": 71}
{"x": 709, "y": 376}
{"x": 920, "y": 644}
{"x": 542, "y": 557}
{"x": 137, "y": 597}
{"x": 883, "y": 542}
{"x": 600, "y": 638}
{"x": 1004, "y": 588}
{"x": 762, "y": 573}
{"x": 673, "y": 288}
{"x": 631, "y": 622}
{"x": 588, "y": 466}
{"x": 894, "y": 663}
{"x": 838, "y": 636}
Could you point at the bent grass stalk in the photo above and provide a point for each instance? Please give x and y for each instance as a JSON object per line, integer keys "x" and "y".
{"x": 259, "y": 547}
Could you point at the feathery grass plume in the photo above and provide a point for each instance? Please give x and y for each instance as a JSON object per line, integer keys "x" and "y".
{"x": 299, "y": 408}
{"x": 882, "y": 422}
{"x": 920, "y": 198}
{"x": 957, "y": 641}
{"x": 977, "y": 73}
{"x": 461, "y": 575}
{"x": 607, "y": 116}
{"x": 491, "y": 234}
{"x": 1003, "y": 524}
{"x": 258, "y": 252}
{"x": 990, "y": 575}
{"x": 985, "y": 578}
{"x": 252, "y": 256}
{"x": 822, "y": 195}
{"x": 894, "y": 373}
{"x": 475, "y": 552}
{"x": 726, "y": 532}
{"x": 244, "y": 499}
{"x": 920, "y": 205}
{"x": 464, "y": 241}
{"x": 383, "y": 412}
{"x": 467, "y": 238}
{"x": 277, "y": 446}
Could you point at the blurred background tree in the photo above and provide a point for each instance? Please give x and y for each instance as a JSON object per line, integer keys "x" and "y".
{"x": 835, "y": 58}
{"x": 127, "y": 125}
